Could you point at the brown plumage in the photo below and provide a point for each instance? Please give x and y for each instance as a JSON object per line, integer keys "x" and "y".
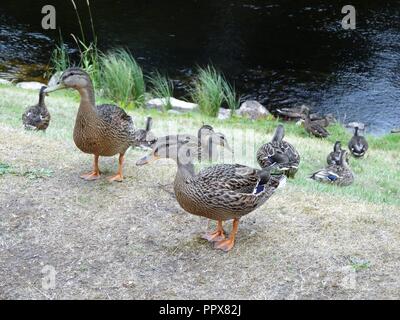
{"x": 314, "y": 128}
{"x": 280, "y": 153}
{"x": 220, "y": 192}
{"x": 37, "y": 117}
{"x": 103, "y": 130}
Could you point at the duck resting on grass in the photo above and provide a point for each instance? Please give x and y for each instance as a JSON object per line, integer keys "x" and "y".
{"x": 37, "y": 117}
{"x": 103, "y": 130}
{"x": 358, "y": 145}
{"x": 338, "y": 174}
{"x": 279, "y": 152}
{"x": 313, "y": 127}
{"x": 220, "y": 192}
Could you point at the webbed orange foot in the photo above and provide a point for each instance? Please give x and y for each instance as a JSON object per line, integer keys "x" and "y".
{"x": 227, "y": 245}
{"x": 116, "y": 178}
{"x": 224, "y": 245}
{"x": 91, "y": 176}
{"x": 218, "y": 235}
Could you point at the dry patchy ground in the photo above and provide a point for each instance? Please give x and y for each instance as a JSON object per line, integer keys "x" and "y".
{"x": 132, "y": 240}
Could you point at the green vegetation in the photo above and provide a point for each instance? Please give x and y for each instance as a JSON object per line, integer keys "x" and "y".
{"x": 122, "y": 78}
{"x": 211, "y": 90}
{"x": 162, "y": 87}
{"x": 377, "y": 176}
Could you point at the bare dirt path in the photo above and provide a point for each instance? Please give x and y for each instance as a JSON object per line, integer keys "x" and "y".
{"x": 132, "y": 241}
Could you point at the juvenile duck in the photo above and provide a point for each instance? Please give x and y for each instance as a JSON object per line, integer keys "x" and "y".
{"x": 37, "y": 117}
{"x": 358, "y": 145}
{"x": 221, "y": 192}
{"x": 313, "y": 127}
{"x": 334, "y": 156}
{"x": 103, "y": 130}
{"x": 338, "y": 174}
{"x": 279, "y": 152}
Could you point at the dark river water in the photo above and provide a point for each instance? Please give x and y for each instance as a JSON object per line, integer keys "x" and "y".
{"x": 282, "y": 53}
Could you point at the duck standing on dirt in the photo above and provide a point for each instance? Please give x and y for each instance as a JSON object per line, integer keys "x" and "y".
{"x": 220, "y": 192}
{"x": 338, "y": 174}
{"x": 103, "y": 130}
{"x": 37, "y": 117}
{"x": 358, "y": 145}
{"x": 279, "y": 152}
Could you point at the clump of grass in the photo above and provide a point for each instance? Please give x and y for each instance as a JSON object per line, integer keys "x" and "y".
{"x": 211, "y": 90}
{"x": 231, "y": 97}
{"x": 4, "y": 168}
{"x": 60, "y": 58}
{"x": 208, "y": 91}
{"x": 162, "y": 88}
{"x": 122, "y": 78}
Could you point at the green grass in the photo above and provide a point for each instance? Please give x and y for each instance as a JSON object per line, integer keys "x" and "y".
{"x": 161, "y": 87}
{"x": 208, "y": 91}
{"x": 377, "y": 176}
{"x": 122, "y": 78}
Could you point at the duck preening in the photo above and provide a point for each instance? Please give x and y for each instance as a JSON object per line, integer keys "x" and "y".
{"x": 358, "y": 145}
{"x": 37, "y": 117}
{"x": 338, "y": 174}
{"x": 280, "y": 153}
{"x": 220, "y": 192}
{"x": 103, "y": 130}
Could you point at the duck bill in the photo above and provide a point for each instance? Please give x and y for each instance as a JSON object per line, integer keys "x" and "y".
{"x": 54, "y": 88}
{"x": 147, "y": 160}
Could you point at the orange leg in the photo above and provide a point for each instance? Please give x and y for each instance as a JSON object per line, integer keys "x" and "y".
{"x": 95, "y": 174}
{"x": 228, "y": 244}
{"x": 118, "y": 177}
{"x": 218, "y": 235}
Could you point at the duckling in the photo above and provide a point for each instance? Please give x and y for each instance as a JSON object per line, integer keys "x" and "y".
{"x": 281, "y": 153}
{"x": 220, "y": 192}
{"x": 37, "y": 117}
{"x": 103, "y": 130}
{"x": 334, "y": 156}
{"x": 313, "y": 127}
{"x": 338, "y": 174}
{"x": 358, "y": 145}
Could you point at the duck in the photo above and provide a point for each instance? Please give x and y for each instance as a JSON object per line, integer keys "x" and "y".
{"x": 313, "y": 127}
{"x": 295, "y": 114}
{"x": 279, "y": 152}
{"x": 334, "y": 156}
{"x": 358, "y": 145}
{"x": 208, "y": 139}
{"x": 337, "y": 174}
{"x": 220, "y": 192}
{"x": 101, "y": 130}
{"x": 37, "y": 117}
{"x": 324, "y": 121}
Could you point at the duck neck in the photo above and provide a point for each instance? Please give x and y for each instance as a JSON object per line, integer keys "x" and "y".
{"x": 87, "y": 104}
{"x": 356, "y": 132}
{"x": 41, "y": 99}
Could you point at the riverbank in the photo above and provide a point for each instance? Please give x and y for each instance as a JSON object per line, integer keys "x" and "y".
{"x": 132, "y": 240}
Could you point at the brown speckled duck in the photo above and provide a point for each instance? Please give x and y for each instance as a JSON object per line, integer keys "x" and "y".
{"x": 220, "y": 192}
{"x": 279, "y": 152}
{"x": 334, "y": 156}
{"x": 37, "y": 117}
{"x": 103, "y": 130}
{"x": 313, "y": 127}
{"x": 358, "y": 145}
